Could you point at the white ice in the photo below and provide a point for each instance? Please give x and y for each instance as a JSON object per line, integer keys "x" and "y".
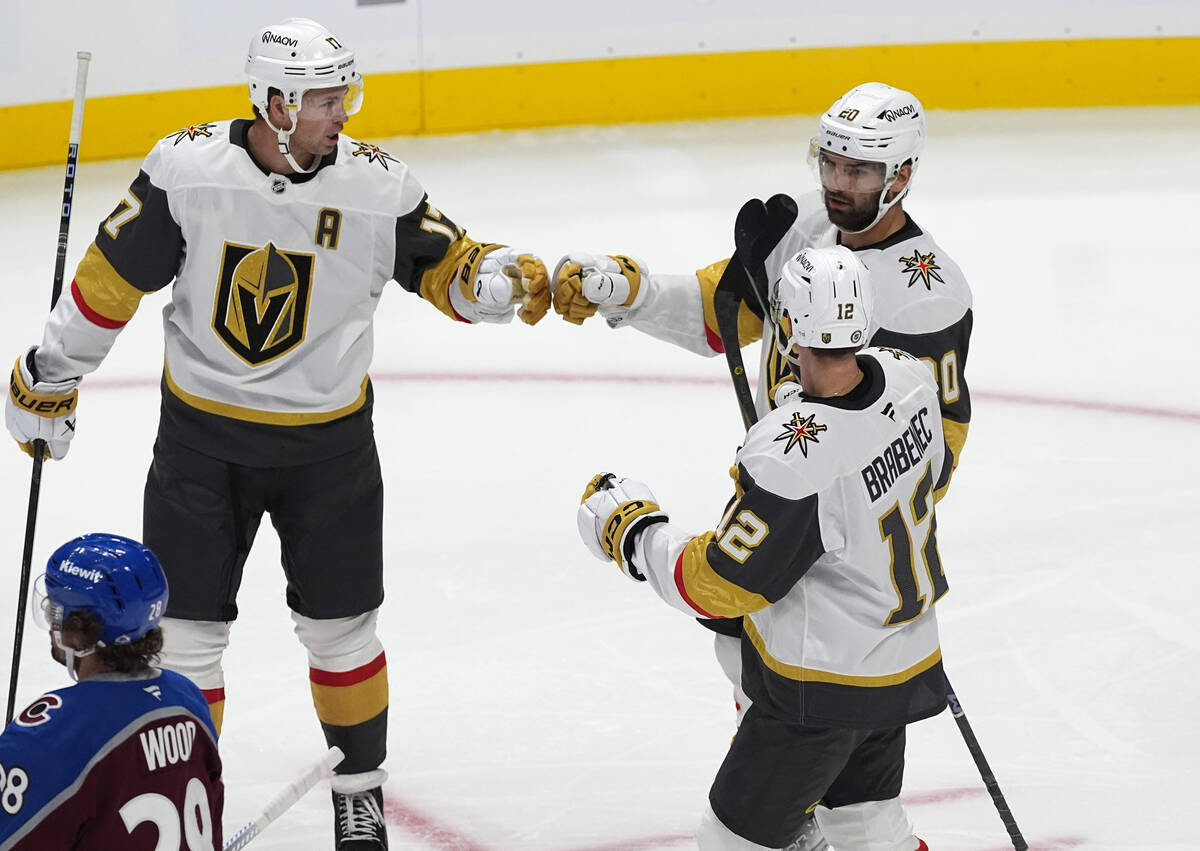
{"x": 541, "y": 701}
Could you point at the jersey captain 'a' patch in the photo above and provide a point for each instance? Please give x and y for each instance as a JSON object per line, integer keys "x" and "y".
{"x": 191, "y": 132}
{"x": 923, "y": 268}
{"x": 262, "y": 300}
{"x": 374, "y": 154}
{"x": 799, "y": 431}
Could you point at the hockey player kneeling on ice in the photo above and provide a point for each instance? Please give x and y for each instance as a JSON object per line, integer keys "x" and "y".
{"x": 840, "y": 649}
{"x": 127, "y": 757}
{"x": 276, "y": 237}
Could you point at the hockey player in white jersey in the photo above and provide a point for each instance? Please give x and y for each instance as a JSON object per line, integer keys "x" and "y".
{"x": 867, "y": 150}
{"x": 865, "y": 155}
{"x": 277, "y": 236}
{"x": 829, "y": 551}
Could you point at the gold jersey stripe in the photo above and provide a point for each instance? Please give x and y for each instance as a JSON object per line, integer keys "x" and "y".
{"x": 812, "y": 675}
{"x": 345, "y": 706}
{"x": 750, "y": 327}
{"x": 253, "y": 415}
{"x": 956, "y": 436}
{"x": 956, "y": 439}
{"x": 217, "y": 711}
{"x": 703, "y": 587}
{"x": 437, "y": 279}
{"x": 103, "y": 289}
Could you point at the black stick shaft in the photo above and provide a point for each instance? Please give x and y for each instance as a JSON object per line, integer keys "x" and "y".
{"x": 35, "y": 486}
{"x": 985, "y": 770}
{"x": 64, "y": 224}
{"x": 39, "y": 446}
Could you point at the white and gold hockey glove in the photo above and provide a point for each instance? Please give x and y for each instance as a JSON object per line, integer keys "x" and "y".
{"x": 611, "y": 513}
{"x": 784, "y": 391}
{"x": 583, "y": 282}
{"x": 40, "y": 410}
{"x": 495, "y": 279}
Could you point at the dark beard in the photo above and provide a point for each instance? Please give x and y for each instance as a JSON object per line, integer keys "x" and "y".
{"x": 853, "y": 220}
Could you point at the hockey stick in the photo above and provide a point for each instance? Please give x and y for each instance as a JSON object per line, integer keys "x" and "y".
{"x": 39, "y": 446}
{"x": 757, "y": 230}
{"x": 282, "y": 802}
{"x": 985, "y": 770}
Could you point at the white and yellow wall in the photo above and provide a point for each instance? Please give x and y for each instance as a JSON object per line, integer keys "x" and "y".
{"x": 441, "y": 66}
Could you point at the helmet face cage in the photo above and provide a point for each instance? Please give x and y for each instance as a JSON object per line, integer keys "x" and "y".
{"x": 822, "y": 301}
{"x": 117, "y": 580}
{"x": 296, "y": 56}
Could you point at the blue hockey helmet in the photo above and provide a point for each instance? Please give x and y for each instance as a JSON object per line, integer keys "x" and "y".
{"x": 117, "y": 580}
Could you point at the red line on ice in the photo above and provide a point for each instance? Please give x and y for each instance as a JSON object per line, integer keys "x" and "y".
{"x": 642, "y": 843}
{"x": 440, "y": 836}
{"x": 941, "y": 796}
{"x": 1061, "y": 843}
{"x": 1101, "y": 406}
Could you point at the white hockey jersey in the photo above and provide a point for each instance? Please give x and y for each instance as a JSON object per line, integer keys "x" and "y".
{"x": 923, "y": 306}
{"x": 276, "y": 278}
{"x": 830, "y": 550}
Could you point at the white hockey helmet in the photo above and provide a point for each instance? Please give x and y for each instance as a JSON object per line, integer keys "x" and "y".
{"x": 822, "y": 301}
{"x": 876, "y": 123}
{"x": 293, "y": 57}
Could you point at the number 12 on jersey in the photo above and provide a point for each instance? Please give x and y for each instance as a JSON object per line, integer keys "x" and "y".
{"x": 898, "y": 535}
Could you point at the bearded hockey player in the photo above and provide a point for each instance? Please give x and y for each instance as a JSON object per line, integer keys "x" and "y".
{"x": 276, "y": 236}
{"x": 865, "y": 155}
{"x": 829, "y": 551}
{"x": 127, "y": 757}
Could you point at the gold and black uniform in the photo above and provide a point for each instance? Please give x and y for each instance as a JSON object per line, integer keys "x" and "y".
{"x": 266, "y": 400}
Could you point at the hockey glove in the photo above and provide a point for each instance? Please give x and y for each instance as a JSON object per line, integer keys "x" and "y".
{"x": 785, "y": 391}
{"x": 611, "y": 513}
{"x": 40, "y": 410}
{"x": 504, "y": 277}
{"x": 583, "y": 282}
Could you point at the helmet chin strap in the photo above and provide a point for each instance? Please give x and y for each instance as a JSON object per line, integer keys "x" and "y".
{"x": 285, "y": 148}
{"x": 884, "y": 206}
{"x": 72, "y": 656}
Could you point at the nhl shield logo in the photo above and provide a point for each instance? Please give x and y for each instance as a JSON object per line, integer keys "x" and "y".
{"x": 262, "y": 301}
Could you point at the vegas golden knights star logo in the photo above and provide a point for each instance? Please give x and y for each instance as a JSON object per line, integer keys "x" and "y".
{"x": 262, "y": 301}
{"x": 374, "y": 154}
{"x": 192, "y": 132}
{"x": 923, "y": 268}
{"x": 799, "y": 431}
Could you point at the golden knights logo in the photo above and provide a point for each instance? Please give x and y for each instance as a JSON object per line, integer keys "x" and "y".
{"x": 898, "y": 354}
{"x": 923, "y": 268}
{"x": 799, "y": 431}
{"x": 191, "y": 132}
{"x": 374, "y": 154}
{"x": 262, "y": 301}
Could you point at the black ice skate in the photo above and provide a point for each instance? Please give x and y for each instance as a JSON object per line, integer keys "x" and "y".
{"x": 358, "y": 823}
